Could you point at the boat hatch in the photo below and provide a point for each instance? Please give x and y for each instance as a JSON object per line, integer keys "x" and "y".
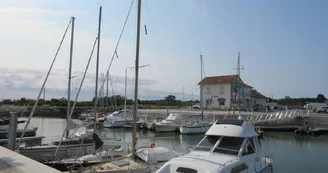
{"x": 121, "y": 163}
{"x": 230, "y": 121}
{"x": 172, "y": 168}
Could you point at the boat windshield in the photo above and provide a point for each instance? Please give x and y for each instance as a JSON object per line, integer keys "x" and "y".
{"x": 207, "y": 143}
{"x": 229, "y": 145}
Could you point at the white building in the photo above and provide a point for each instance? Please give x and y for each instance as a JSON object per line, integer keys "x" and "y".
{"x": 222, "y": 92}
{"x": 258, "y": 98}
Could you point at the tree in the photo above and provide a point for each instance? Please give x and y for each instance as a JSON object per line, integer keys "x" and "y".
{"x": 170, "y": 99}
{"x": 321, "y": 98}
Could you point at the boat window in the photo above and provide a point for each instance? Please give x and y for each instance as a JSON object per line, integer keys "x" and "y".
{"x": 229, "y": 145}
{"x": 166, "y": 169}
{"x": 186, "y": 170}
{"x": 207, "y": 143}
{"x": 249, "y": 147}
{"x": 239, "y": 169}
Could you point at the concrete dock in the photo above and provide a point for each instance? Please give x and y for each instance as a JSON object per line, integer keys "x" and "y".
{"x": 12, "y": 162}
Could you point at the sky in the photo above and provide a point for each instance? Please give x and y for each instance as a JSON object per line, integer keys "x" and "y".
{"x": 282, "y": 45}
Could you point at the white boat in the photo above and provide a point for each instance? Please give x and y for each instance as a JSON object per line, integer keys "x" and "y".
{"x": 229, "y": 146}
{"x": 85, "y": 114}
{"x": 149, "y": 160}
{"x": 4, "y": 129}
{"x": 88, "y": 160}
{"x": 170, "y": 124}
{"x": 69, "y": 147}
{"x": 118, "y": 119}
{"x": 196, "y": 128}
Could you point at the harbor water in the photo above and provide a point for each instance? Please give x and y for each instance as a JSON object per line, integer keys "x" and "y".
{"x": 290, "y": 153}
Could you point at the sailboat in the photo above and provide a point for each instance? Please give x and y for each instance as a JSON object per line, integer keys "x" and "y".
{"x": 202, "y": 126}
{"x": 144, "y": 159}
{"x": 71, "y": 145}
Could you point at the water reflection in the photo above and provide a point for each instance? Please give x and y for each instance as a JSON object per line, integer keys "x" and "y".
{"x": 291, "y": 154}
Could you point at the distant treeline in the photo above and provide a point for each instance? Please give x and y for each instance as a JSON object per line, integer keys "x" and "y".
{"x": 299, "y": 101}
{"x": 117, "y": 100}
{"x": 169, "y": 100}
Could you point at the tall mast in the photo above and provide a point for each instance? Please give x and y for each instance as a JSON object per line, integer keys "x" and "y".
{"x": 97, "y": 68}
{"x": 135, "y": 108}
{"x": 125, "y": 83}
{"x": 201, "y": 82}
{"x": 107, "y": 75}
{"x": 70, "y": 75}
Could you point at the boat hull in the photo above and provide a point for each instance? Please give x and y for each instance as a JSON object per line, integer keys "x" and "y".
{"x": 69, "y": 166}
{"x": 194, "y": 129}
{"x": 166, "y": 128}
{"x": 28, "y": 133}
{"x": 113, "y": 124}
{"x": 46, "y": 153}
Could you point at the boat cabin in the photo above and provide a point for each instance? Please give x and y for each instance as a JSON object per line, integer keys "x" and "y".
{"x": 176, "y": 118}
{"x": 229, "y": 146}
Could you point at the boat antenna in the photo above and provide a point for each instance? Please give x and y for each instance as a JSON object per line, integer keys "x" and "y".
{"x": 135, "y": 108}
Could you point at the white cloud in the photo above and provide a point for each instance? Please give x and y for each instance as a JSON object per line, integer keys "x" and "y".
{"x": 30, "y": 35}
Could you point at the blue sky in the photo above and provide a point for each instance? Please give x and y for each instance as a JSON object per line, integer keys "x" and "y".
{"x": 282, "y": 44}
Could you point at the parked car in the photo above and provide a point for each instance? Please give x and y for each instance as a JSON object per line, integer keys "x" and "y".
{"x": 196, "y": 106}
{"x": 322, "y": 109}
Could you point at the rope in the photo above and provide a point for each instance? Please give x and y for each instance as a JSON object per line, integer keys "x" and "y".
{"x": 44, "y": 83}
{"x": 77, "y": 95}
{"x": 118, "y": 42}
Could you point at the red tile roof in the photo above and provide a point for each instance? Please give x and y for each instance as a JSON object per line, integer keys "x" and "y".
{"x": 220, "y": 80}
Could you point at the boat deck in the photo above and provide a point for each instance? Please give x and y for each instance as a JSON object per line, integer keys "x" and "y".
{"x": 122, "y": 165}
{"x": 11, "y": 161}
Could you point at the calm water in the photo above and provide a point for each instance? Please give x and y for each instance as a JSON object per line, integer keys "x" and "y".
{"x": 291, "y": 154}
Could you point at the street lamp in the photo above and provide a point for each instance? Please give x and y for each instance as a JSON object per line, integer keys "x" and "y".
{"x": 126, "y": 77}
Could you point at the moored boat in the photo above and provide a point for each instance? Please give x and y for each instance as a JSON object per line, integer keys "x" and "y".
{"x": 228, "y": 146}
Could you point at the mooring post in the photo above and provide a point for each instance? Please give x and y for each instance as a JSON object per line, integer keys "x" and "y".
{"x": 12, "y": 131}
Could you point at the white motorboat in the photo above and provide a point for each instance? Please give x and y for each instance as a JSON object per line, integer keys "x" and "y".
{"x": 118, "y": 119}
{"x": 229, "y": 146}
{"x": 170, "y": 124}
{"x": 195, "y": 127}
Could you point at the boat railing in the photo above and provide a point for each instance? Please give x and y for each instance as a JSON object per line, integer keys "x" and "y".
{"x": 229, "y": 161}
{"x": 287, "y": 114}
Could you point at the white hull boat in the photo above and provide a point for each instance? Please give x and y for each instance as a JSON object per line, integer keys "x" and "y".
{"x": 228, "y": 146}
{"x": 195, "y": 129}
{"x": 170, "y": 124}
{"x": 166, "y": 127}
{"x": 113, "y": 124}
{"x": 117, "y": 119}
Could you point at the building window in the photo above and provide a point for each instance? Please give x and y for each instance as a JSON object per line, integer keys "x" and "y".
{"x": 254, "y": 101}
{"x": 221, "y": 102}
{"x": 221, "y": 91}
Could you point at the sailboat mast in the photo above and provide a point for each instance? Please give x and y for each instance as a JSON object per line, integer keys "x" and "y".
{"x": 97, "y": 68}
{"x": 107, "y": 90}
{"x": 135, "y": 108}
{"x": 201, "y": 82}
{"x": 70, "y": 74}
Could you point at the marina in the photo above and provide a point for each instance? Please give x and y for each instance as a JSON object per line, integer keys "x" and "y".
{"x": 95, "y": 125}
{"x": 300, "y": 149}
